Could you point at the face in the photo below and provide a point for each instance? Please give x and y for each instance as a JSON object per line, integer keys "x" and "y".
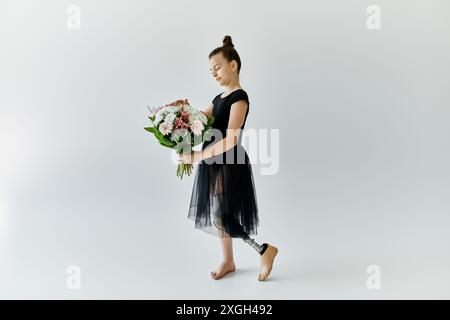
{"x": 223, "y": 71}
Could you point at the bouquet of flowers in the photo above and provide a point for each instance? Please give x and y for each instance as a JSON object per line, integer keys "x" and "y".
{"x": 180, "y": 127}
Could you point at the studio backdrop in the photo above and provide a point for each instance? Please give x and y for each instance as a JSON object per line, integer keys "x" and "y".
{"x": 349, "y": 114}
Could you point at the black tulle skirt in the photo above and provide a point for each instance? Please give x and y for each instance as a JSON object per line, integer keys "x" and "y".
{"x": 223, "y": 201}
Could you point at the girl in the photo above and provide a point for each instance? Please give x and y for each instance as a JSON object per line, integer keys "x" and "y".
{"x": 223, "y": 201}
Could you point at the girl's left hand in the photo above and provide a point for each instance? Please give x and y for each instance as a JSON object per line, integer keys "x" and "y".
{"x": 190, "y": 158}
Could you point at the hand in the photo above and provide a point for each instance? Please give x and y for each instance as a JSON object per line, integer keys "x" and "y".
{"x": 190, "y": 158}
{"x": 178, "y": 102}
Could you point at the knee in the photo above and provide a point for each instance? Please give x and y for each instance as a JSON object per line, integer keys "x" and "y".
{"x": 218, "y": 223}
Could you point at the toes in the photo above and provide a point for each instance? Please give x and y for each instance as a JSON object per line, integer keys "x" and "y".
{"x": 222, "y": 271}
{"x": 216, "y": 275}
{"x": 263, "y": 276}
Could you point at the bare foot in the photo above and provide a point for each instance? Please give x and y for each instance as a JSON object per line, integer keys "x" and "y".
{"x": 267, "y": 262}
{"x": 224, "y": 268}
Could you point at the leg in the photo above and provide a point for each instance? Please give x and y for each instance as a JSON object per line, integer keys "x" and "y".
{"x": 267, "y": 259}
{"x": 226, "y": 241}
{"x": 267, "y": 252}
{"x": 260, "y": 248}
{"x": 228, "y": 262}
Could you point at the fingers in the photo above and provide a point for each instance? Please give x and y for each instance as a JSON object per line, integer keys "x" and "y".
{"x": 181, "y": 101}
{"x": 178, "y": 102}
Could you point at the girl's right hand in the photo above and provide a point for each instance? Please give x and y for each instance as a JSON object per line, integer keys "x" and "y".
{"x": 178, "y": 102}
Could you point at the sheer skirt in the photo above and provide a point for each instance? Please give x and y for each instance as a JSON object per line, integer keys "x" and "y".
{"x": 223, "y": 201}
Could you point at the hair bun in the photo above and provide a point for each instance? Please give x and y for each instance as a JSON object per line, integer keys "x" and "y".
{"x": 227, "y": 41}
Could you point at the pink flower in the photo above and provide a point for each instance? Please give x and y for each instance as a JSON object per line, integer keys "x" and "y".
{"x": 185, "y": 116}
{"x": 197, "y": 127}
{"x": 165, "y": 128}
{"x": 179, "y": 123}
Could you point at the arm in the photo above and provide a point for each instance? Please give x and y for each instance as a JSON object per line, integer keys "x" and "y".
{"x": 208, "y": 110}
{"x": 237, "y": 117}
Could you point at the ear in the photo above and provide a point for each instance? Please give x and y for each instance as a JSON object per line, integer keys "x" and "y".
{"x": 233, "y": 65}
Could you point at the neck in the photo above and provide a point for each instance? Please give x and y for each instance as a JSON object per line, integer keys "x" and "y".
{"x": 232, "y": 86}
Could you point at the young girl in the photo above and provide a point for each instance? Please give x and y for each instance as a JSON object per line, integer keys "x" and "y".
{"x": 223, "y": 201}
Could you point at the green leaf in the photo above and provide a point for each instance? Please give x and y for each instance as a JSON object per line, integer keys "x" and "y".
{"x": 162, "y": 139}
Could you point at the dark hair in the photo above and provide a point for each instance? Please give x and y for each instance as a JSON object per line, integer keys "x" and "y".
{"x": 228, "y": 51}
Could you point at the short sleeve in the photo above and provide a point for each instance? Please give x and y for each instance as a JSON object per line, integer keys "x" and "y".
{"x": 215, "y": 98}
{"x": 239, "y": 95}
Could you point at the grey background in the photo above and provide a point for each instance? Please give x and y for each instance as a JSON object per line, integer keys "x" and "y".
{"x": 363, "y": 118}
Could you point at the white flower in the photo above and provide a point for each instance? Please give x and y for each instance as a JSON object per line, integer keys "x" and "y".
{"x": 160, "y": 116}
{"x": 170, "y": 118}
{"x": 197, "y": 115}
{"x": 173, "y": 109}
{"x": 203, "y": 117}
{"x": 180, "y": 132}
{"x": 197, "y": 127}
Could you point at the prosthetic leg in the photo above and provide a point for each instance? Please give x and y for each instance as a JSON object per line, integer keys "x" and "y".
{"x": 260, "y": 248}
